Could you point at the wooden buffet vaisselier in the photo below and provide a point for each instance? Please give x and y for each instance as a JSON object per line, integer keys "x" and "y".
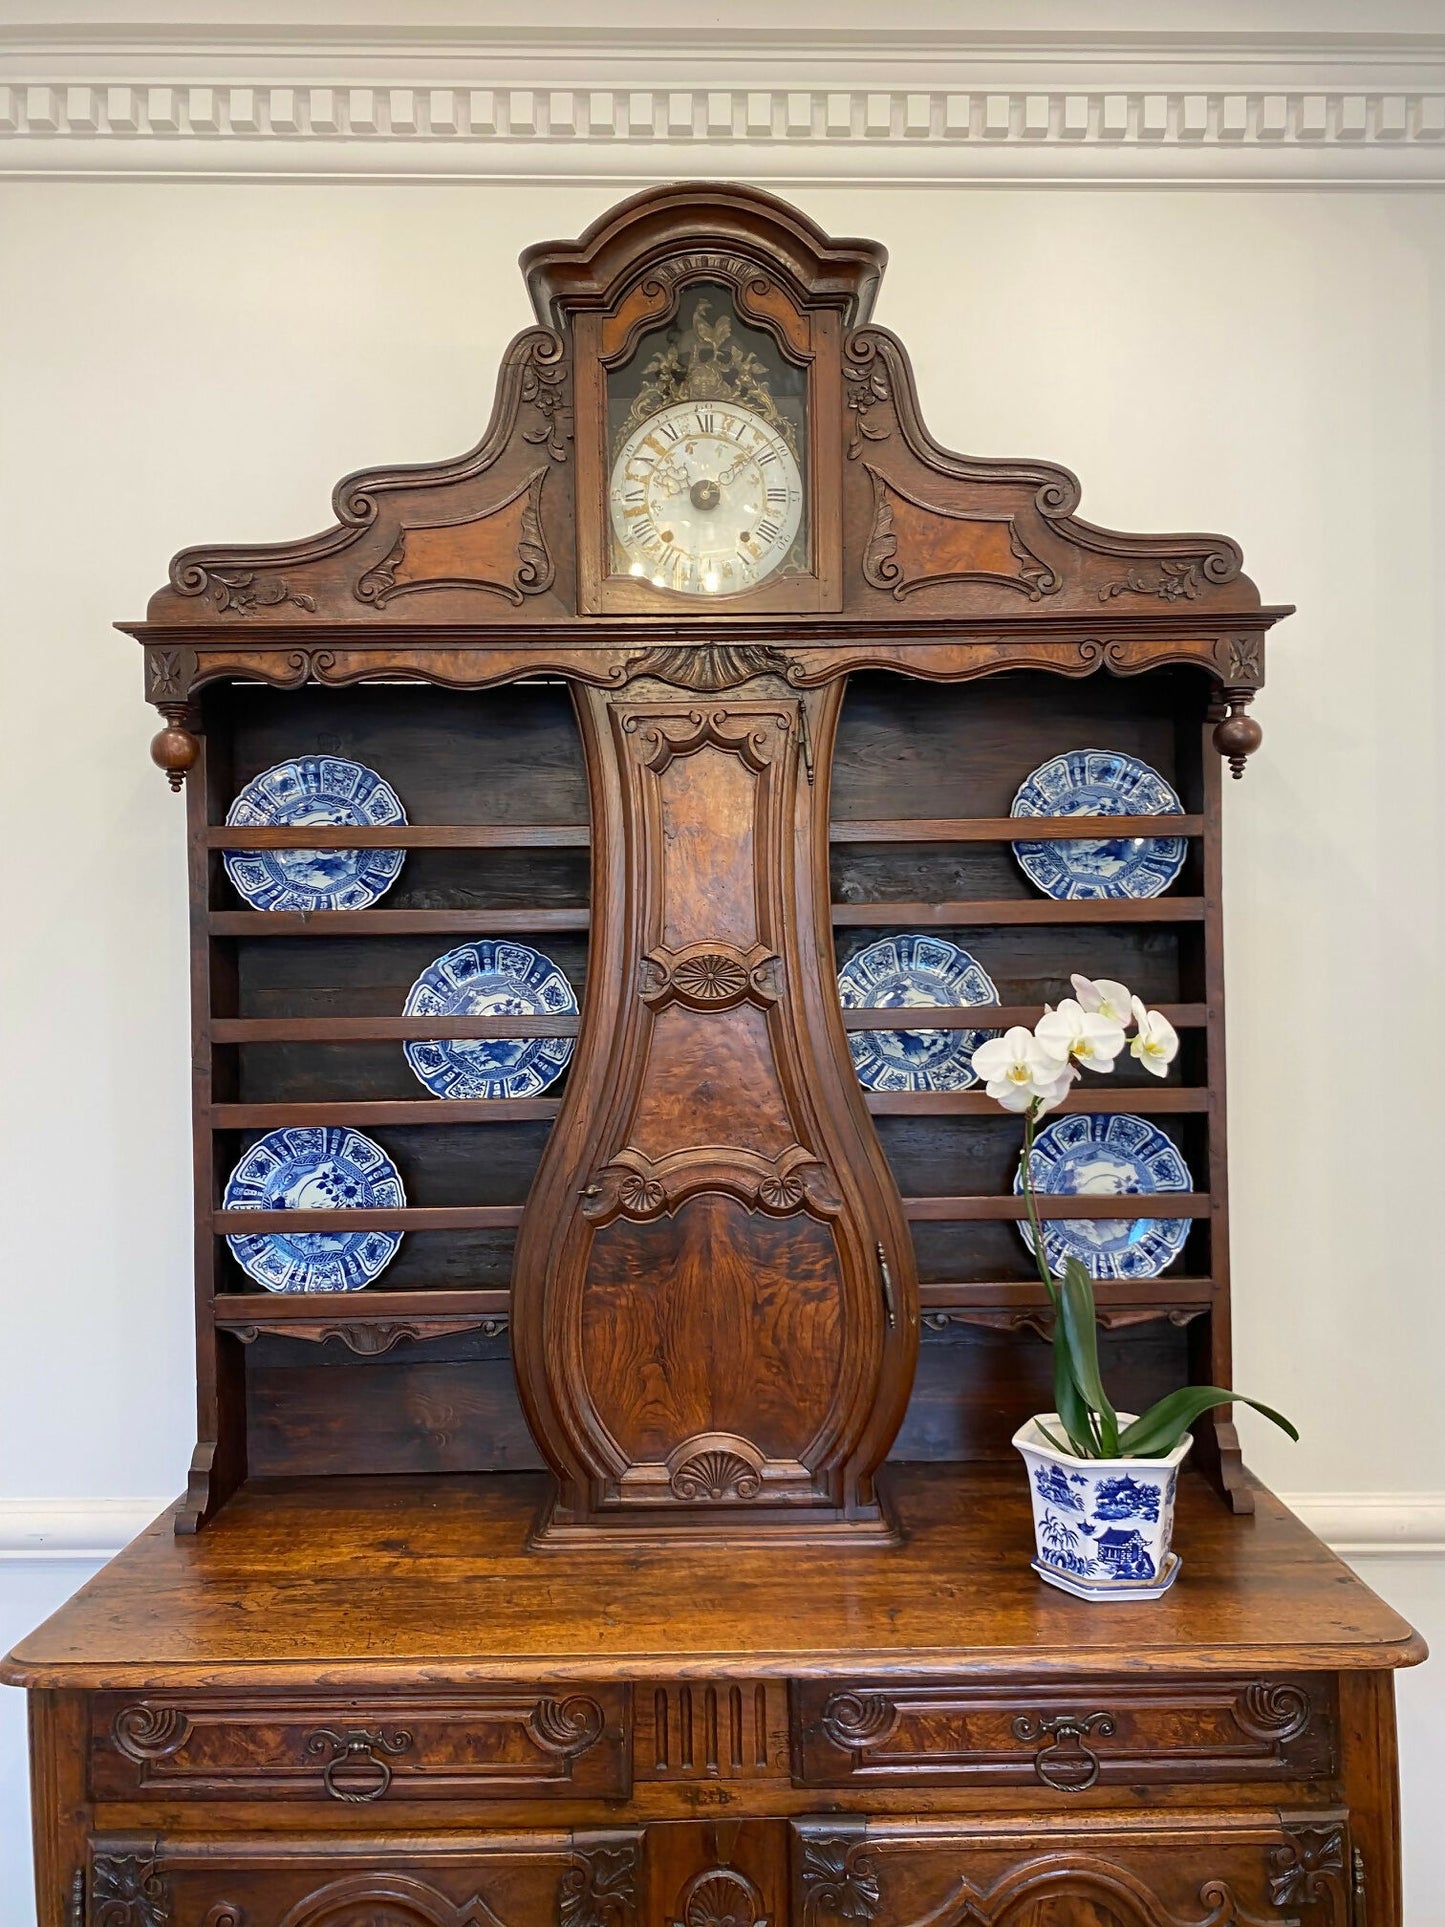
{"x": 645, "y": 1548}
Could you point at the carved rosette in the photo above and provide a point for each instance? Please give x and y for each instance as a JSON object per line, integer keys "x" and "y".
{"x": 711, "y": 976}
{"x": 839, "y": 1880}
{"x": 126, "y": 1890}
{"x": 1308, "y": 1868}
{"x": 600, "y": 1890}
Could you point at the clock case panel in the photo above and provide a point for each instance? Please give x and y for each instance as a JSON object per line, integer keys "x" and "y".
{"x": 765, "y": 319}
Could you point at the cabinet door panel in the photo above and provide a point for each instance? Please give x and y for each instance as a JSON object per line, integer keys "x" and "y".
{"x": 1219, "y": 1870}
{"x": 714, "y": 1309}
{"x": 521, "y": 1880}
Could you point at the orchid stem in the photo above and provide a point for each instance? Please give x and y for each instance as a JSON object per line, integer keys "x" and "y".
{"x": 1028, "y": 1176}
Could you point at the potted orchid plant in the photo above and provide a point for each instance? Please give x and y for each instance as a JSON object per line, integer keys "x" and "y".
{"x": 1102, "y": 1482}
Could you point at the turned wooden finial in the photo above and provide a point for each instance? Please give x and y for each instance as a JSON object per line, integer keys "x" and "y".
{"x": 175, "y": 748}
{"x": 1237, "y": 735}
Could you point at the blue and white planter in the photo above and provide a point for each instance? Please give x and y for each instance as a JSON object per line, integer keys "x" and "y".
{"x": 1103, "y": 1526}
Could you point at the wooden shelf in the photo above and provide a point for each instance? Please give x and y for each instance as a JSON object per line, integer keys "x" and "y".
{"x": 282, "y": 1308}
{"x": 578, "y": 836}
{"x": 407, "y": 836}
{"x": 370, "y": 1030}
{"x": 366, "y": 1030}
{"x": 1028, "y": 1294}
{"x": 988, "y": 1016}
{"x": 1007, "y": 829}
{"x": 1156, "y": 1099}
{"x": 1158, "y": 1204}
{"x": 368, "y": 1112}
{"x": 467, "y": 1217}
{"x": 1008, "y": 910}
{"x": 394, "y": 923}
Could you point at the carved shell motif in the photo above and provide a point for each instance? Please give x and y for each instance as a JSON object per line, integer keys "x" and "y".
{"x": 721, "y": 1898}
{"x": 716, "y": 1476}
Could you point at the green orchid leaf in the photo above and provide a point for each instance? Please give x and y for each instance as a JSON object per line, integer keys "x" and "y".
{"x": 1069, "y": 1403}
{"x": 1159, "y": 1430}
{"x": 1079, "y": 1322}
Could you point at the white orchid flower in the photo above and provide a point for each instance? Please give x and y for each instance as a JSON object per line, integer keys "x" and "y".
{"x": 1050, "y": 1095}
{"x": 1157, "y": 1043}
{"x": 1087, "y": 1036}
{"x": 1016, "y": 1069}
{"x": 1105, "y": 998}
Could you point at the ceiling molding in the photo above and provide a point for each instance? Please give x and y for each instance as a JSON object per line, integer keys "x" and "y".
{"x": 1344, "y": 110}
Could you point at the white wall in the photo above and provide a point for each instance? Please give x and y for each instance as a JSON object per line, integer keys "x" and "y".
{"x": 187, "y": 360}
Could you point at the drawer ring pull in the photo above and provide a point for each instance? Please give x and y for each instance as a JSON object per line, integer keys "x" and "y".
{"x": 355, "y": 1751}
{"x": 1068, "y": 1763}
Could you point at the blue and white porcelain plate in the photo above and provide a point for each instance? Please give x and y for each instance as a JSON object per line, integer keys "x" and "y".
{"x": 912, "y": 973}
{"x": 307, "y": 1168}
{"x": 1099, "y": 782}
{"x": 328, "y": 792}
{"x": 1105, "y": 1157}
{"x": 490, "y": 980}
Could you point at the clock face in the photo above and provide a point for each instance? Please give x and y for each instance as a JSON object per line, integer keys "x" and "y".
{"x": 706, "y": 499}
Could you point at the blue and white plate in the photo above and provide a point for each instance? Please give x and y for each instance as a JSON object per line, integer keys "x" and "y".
{"x": 490, "y": 980}
{"x": 912, "y": 973}
{"x": 320, "y": 791}
{"x": 308, "y": 1168}
{"x": 1106, "y": 1157}
{"x": 1099, "y": 782}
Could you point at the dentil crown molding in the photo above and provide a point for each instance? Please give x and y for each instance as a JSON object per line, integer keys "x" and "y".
{"x": 778, "y": 107}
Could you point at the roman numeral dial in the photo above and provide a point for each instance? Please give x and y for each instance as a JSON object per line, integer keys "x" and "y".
{"x": 706, "y": 499}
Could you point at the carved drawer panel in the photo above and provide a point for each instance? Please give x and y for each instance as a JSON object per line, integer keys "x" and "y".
{"x": 687, "y": 1730}
{"x": 526, "y": 1740}
{"x": 517, "y": 1880}
{"x": 1068, "y": 1738}
{"x": 1220, "y": 1870}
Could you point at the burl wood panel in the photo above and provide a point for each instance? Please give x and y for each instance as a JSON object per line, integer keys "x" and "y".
{"x": 1116, "y": 1732}
{"x": 534, "y": 1741}
{"x": 714, "y": 1307}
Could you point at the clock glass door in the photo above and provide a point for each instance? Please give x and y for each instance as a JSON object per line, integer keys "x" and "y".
{"x": 707, "y": 480}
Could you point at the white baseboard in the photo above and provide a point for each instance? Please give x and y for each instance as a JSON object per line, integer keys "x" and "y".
{"x": 89, "y": 1530}
{"x": 79, "y": 1529}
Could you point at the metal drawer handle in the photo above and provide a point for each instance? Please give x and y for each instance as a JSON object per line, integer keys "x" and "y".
{"x": 355, "y": 1750}
{"x": 885, "y": 1279}
{"x": 1068, "y": 1763}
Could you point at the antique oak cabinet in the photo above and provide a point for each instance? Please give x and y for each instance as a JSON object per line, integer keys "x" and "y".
{"x": 644, "y": 1548}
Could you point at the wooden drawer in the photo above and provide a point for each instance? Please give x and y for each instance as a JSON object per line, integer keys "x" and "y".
{"x": 532, "y": 1741}
{"x": 1211, "y": 1870}
{"x": 1068, "y": 1738}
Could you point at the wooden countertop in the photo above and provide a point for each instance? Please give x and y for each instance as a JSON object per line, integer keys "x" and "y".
{"x": 426, "y": 1581}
